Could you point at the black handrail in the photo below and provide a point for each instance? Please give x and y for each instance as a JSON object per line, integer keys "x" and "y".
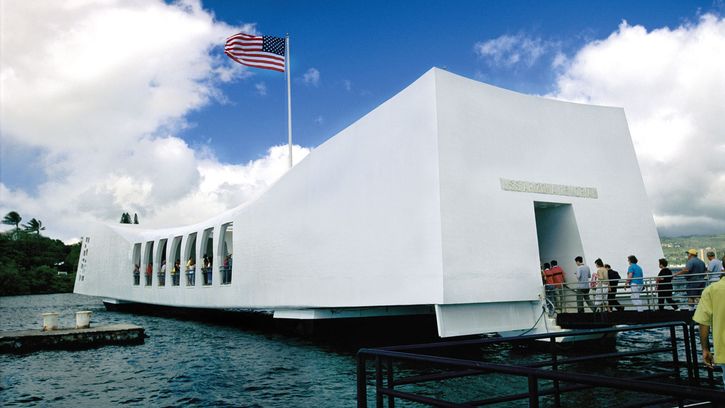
{"x": 534, "y": 372}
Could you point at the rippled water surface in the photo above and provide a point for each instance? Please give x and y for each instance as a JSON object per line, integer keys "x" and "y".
{"x": 182, "y": 362}
{"x": 204, "y": 364}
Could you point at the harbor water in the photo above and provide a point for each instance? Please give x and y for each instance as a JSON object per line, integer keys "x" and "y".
{"x": 181, "y": 363}
{"x": 199, "y": 363}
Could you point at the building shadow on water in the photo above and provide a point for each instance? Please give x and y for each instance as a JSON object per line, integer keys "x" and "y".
{"x": 348, "y": 334}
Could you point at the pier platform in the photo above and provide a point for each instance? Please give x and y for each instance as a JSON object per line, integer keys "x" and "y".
{"x": 24, "y": 341}
{"x": 629, "y": 317}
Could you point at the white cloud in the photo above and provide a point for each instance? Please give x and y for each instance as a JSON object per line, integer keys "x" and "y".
{"x": 510, "y": 50}
{"x": 311, "y": 77}
{"x": 672, "y": 87}
{"x": 96, "y": 101}
{"x": 196, "y": 188}
{"x": 261, "y": 88}
{"x": 347, "y": 84}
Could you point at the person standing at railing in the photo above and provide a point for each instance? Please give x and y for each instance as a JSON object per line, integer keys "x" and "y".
{"x": 190, "y": 271}
{"x": 557, "y": 274}
{"x": 635, "y": 281}
{"x": 149, "y": 273}
{"x": 711, "y": 313}
{"x": 176, "y": 273}
{"x": 136, "y": 274}
{"x": 583, "y": 274}
{"x": 714, "y": 267}
{"x": 694, "y": 272}
{"x": 664, "y": 286}
{"x": 548, "y": 287}
{"x": 614, "y": 278}
{"x": 162, "y": 273}
{"x": 601, "y": 286}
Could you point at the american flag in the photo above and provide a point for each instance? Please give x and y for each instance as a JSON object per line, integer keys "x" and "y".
{"x": 257, "y": 51}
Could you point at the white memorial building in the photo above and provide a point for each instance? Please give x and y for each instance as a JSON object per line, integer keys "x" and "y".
{"x": 445, "y": 199}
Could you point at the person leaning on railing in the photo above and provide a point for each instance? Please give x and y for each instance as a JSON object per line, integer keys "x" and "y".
{"x": 710, "y": 312}
{"x": 694, "y": 272}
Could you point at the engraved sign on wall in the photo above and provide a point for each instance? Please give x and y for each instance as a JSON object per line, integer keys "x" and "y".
{"x": 547, "y": 188}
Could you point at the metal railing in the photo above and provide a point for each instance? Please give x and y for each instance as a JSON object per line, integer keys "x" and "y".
{"x": 616, "y": 295}
{"x": 547, "y": 381}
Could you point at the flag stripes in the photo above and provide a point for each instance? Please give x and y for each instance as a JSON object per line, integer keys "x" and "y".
{"x": 264, "y": 52}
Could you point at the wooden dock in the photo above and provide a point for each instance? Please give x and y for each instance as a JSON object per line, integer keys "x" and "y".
{"x": 24, "y": 341}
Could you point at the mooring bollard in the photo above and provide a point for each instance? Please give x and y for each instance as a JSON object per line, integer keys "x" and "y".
{"x": 50, "y": 321}
{"x": 83, "y": 319}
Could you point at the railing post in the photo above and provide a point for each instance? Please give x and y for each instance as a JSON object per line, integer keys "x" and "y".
{"x": 533, "y": 392}
{"x": 688, "y": 352}
{"x": 362, "y": 389}
{"x": 695, "y": 364}
{"x": 555, "y": 367}
{"x": 391, "y": 398}
{"x": 676, "y": 361}
{"x": 378, "y": 383}
{"x": 675, "y": 353}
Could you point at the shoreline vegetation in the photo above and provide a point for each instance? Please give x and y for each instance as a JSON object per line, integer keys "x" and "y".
{"x": 32, "y": 264}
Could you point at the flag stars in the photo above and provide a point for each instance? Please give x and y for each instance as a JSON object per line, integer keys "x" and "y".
{"x": 274, "y": 45}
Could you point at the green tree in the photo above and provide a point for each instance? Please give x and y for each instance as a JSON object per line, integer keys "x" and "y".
{"x": 125, "y": 218}
{"x": 30, "y": 263}
{"x": 13, "y": 218}
{"x": 71, "y": 260}
{"x": 135, "y": 218}
{"x": 34, "y": 226}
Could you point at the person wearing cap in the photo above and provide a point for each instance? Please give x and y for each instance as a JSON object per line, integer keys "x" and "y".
{"x": 711, "y": 313}
{"x": 714, "y": 267}
{"x": 694, "y": 272}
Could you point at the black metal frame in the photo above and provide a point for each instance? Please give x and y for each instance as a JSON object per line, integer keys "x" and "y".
{"x": 562, "y": 381}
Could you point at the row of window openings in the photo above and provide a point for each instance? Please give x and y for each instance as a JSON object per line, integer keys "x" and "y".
{"x": 186, "y": 271}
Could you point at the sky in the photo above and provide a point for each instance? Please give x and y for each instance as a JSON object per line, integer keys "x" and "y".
{"x": 112, "y": 106}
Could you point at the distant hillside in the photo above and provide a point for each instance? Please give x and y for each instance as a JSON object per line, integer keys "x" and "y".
{"x": 675, "y": 247}
{"x": 31, "y": 263}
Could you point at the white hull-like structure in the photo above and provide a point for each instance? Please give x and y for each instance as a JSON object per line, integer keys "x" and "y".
{"x": 445, "y": 199}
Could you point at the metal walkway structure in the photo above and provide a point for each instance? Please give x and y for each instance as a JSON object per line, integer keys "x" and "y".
{"x": 612, "y": 302}
{"x": 458, "y": 374}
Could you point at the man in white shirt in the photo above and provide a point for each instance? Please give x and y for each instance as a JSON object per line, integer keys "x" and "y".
{"x": 583, "y": 274}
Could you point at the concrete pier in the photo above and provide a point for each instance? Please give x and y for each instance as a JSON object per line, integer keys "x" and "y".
{"x": 24, "y": 341}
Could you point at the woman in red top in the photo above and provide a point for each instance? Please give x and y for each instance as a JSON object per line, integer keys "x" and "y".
{"x": 149, "y": 272}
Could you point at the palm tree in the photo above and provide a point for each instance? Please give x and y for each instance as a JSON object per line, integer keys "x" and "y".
{"x": 34, "y": 226}
{"x": 13, "y": 218}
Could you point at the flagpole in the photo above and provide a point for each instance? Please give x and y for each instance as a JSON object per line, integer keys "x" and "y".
{"x": 289, "y": 99}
